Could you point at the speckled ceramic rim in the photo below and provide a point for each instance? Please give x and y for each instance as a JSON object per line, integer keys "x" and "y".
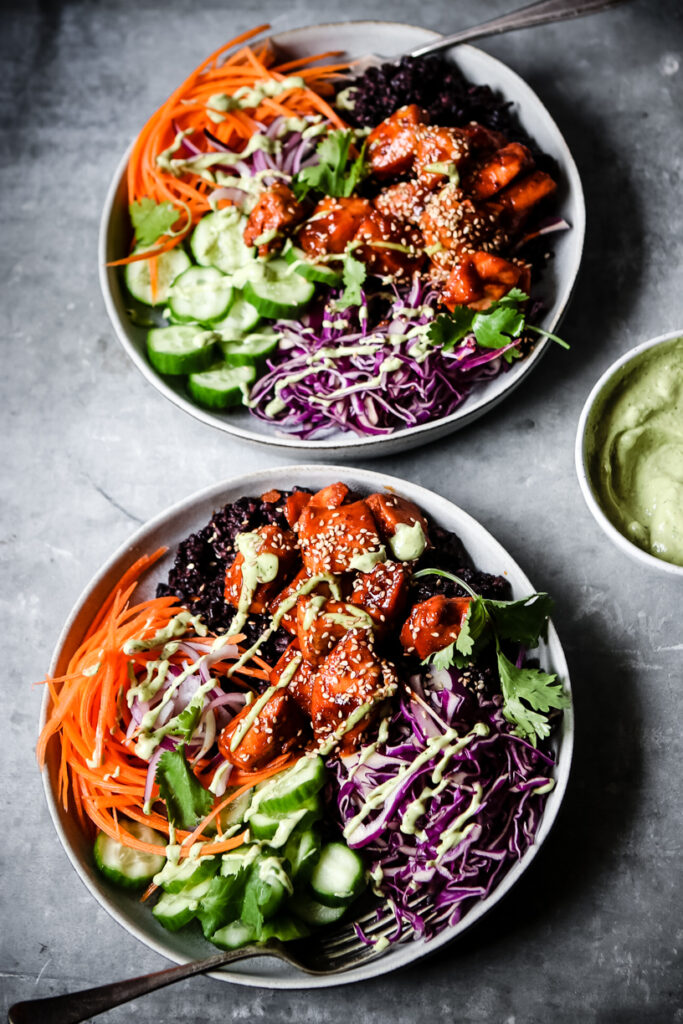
{"x": 348, "y": 446}
{"x": 581, "y": 458}
{"x": 187, "y": 515}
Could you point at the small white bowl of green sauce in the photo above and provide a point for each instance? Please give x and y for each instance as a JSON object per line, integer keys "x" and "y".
{"x": 629, "y": 453}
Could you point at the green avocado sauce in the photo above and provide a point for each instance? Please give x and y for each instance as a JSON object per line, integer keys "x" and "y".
{"x": 635, "y": 445}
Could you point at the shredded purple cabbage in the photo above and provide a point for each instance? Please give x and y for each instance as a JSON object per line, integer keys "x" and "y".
{"x": 492, "y": 797}
{"x": 334, "y": 371}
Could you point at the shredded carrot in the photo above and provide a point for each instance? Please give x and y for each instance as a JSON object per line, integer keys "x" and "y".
{"x": 98, "y": 770}
{"x": 187, "y": 110}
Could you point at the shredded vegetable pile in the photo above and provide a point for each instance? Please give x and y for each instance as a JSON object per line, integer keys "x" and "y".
{"x": 346, "y": 374}
{"x": 462, "y": 799}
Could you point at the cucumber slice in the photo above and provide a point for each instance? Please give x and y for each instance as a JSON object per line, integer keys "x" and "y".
{"x": 186, "y": 348}
{"x": 318, "y": 272}
{"x": 250, "y": 350}
{"x": 267, "y": 888}
{"x": 221, "y": 387}
{"x": 169, "y": 265}
{"x": 278, "y": 291}
{"x": 234, "y": 813}
{"x": 218, "y": 241}
{"x": 301, "y": 853}
{"x": 312, "y": 912}
{"x": 284, "y": 928}
{"x": 289, "y": 790}
{"x": 277, "y": 829}
{"x": 234, "y": 935}
{"x": 241, "y": 319}
{"x": 186, "y": 873}
{"x": 129, "y": 868}
{"x": 175, "y": 910}
{"x": 201, "y": 294}
{"x": 339, "y": 875}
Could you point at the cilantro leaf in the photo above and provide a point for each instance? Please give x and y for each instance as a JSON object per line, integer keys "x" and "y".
{"x": 353, "y": 275}
{"x": 447, "y": 658}
{"x": 523, "y": 621}
{"x": 151, "y": 220}
{"x": 450, "y": 328}
{"x": 330, "y": 175}
{"x": 187, "y": 802}
{"x": 498, "y": 325}
{"x": 472, "y": 627}
{"x": 541, "y": 692}
{"x": 186, "y": 722}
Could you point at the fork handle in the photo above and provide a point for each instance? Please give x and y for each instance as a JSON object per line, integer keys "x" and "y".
{"x": 78, "y": 1006}
{"x": 541, "y": 13}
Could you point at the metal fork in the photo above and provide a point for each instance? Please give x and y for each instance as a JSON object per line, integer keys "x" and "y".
{"x": 332, "y": 952}
{"x": 541, "y": 13}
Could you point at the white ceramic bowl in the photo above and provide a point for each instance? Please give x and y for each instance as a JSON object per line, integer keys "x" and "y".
{"x": 168, "y": 529}
{"x": 582, "y": 453}
{"x": 354, "y": 39}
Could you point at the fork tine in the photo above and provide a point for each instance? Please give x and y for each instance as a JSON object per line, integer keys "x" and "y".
{"x": 350, "y": 958}
{"x": 346, "y": 939}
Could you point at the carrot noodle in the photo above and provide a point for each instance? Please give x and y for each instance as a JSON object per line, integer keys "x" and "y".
{"x": 98, "y": 772}
{"x": 186, "y": 110}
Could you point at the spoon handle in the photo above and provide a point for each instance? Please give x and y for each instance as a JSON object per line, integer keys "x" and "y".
{"x": 77, "y": 1006}
{"x": 541, "y": 13}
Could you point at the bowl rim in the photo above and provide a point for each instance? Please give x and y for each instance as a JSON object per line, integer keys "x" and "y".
{"x": 443, "y": 510}
{"x": 581, "y": 458}
{"x": 346, "y": 443}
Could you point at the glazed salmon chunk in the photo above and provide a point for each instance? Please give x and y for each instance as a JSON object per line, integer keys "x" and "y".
{"x": 392, "y": 145}
{"x": 250, "y": 742}
{"x": 265, "y": 560}
{"x": 338, "y": 538}
{"x": 433, "y": 624}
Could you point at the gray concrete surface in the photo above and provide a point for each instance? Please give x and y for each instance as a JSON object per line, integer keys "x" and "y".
{"x": 593, "y": 933}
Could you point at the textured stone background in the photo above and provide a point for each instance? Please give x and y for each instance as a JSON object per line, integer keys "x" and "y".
{"x": 593, "y": 932}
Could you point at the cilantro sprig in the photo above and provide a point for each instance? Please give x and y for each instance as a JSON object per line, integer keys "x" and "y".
{"x": 187, "y": 802}
{"x": 353, "y": 275}
{"x": 333, "y": 175}
{"x": 495, "y": 327}
{"x": 151, "y": 220}
{"x": 528, "y": 693}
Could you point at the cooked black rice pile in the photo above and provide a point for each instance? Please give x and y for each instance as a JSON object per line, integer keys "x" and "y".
{"x": 440, "y": 88}
{"x": 198, "y": 574}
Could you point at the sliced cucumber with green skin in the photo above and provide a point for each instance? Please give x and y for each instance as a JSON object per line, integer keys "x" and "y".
{"x": 234, "y": 935}
{"x": 339, "y": 875}
{"x": 277, "y": 829}
{"x": 242, "y": 318}
{"x": 318, "y": 272}
{"x": 313, "y": 912}
{"x": 278, "y": 291}
{"x": 288, "y": 790}
{"x": 185, "y": 348}
{"x": 234, "y": 813}
{"x": 250, "y": 350}
{"x": 301, "y": 853}
{"x": 236, "y": 860}
{"x": 186, "y": 873}
{"x": 222, "y": 386}
{"x": 169, "y": 266}
{"x": 285, "y": 929}
{"x": 175, "y": 910}
{"x": 131, "y": 869}
{"x": 218, "y": 241}
{"x": 200, "y": 294}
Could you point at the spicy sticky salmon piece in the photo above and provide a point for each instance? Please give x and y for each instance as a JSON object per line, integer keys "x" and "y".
{"x": 392, "y": 145}
{"x": 433, "y": 624}
{"x": 294, "y": 504}
{"x": 350, "y": 676}
{"x": 278, "y": 727}
{"x": 334, "y": 539}
{"x": 259, "y": 545}
{"x": 439, "y": 153}
{"x": 321, "y": 623}
{"x": 300, "y": 686}
{"x": 332, "y": 225}
{"x": 276, "y": 212}
{"x": 403, "y": 201}
{"x": 392, "y": 513}
{"x": 499, "y": 170}
{"x": 288, "y": 619}
{"x": 516, "y": 202}
{"x": 387, "y": 246}
{"x": 481, "y": 278}
{"x": 382, "y": 593}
